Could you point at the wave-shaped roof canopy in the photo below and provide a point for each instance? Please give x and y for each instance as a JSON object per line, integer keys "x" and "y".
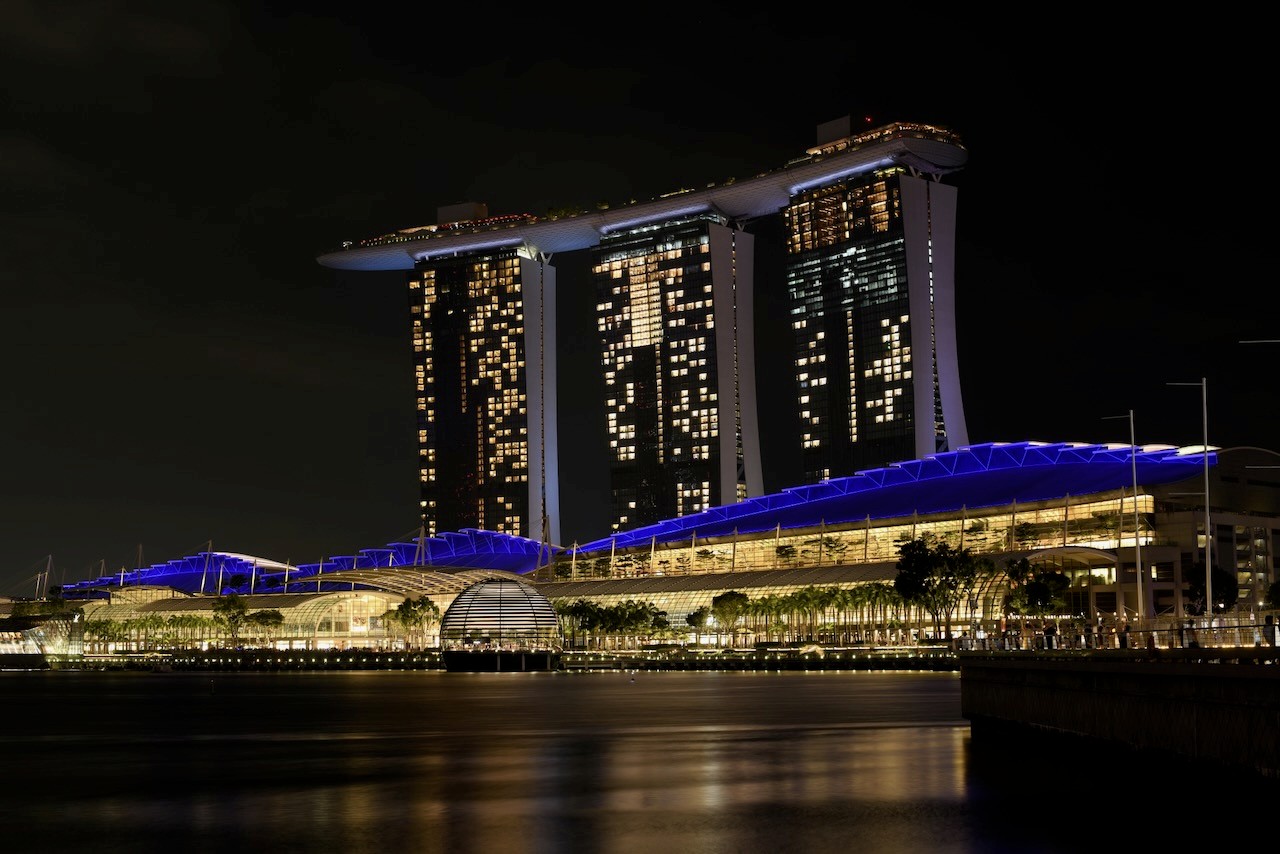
{"x": 979, "y": 476}
{"x": 989, "y": 475}
{"x": 230, "y": 572}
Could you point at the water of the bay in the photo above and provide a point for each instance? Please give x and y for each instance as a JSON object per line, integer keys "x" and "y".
{"x": 677, "y": 763}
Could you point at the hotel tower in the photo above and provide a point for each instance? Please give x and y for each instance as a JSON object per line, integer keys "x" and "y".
{"x": 673, "y": 306}
{"x": 870, "y": 273}
{"x": 483, "y": 330}
{"x": 870, "y": 251}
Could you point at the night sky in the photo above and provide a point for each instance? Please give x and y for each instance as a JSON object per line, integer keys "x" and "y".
{"x": 180, "y": 370}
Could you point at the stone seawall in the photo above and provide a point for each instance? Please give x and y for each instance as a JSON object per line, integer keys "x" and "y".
{"x": 1219, "y": 707}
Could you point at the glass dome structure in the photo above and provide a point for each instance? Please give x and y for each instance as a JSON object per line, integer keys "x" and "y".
{"x": 500, "y": 614}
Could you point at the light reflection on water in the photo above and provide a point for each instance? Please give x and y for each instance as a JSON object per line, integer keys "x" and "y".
{"x": 431, "y": 762}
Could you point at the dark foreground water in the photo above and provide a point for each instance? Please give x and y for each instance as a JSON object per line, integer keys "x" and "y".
{"x": 674, "y": 763}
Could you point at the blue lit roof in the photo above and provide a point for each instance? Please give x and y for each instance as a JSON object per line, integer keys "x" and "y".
{"x": 470, "y": 548}
{"x": 209, "y": 571}
{"x": 989, "y": 475}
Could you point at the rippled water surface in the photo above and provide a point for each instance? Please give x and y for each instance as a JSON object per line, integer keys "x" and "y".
{"x": 427, "y": 761}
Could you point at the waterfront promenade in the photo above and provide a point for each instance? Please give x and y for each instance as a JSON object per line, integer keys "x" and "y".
{"x": 810, "y": 657}
{"x": 801, "y": 657}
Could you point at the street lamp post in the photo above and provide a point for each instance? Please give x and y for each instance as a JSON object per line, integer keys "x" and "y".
{"x": 1137, "y": 524}
{"x": 1208, "y": 532}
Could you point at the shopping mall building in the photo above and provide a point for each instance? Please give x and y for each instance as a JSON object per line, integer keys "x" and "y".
{"x": 1066, "y": 506}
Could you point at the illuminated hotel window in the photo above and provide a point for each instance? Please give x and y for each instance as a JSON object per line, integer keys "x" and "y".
{"x": 656, "y": 317}
{"x": 472, "y": 309}
{"x": 846, "y": 273}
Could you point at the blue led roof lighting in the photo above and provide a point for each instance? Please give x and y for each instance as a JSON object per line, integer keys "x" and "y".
{"x": 989, "y": 475}
{"x": 186, "y": 573}
{"x": 237, "y": 573}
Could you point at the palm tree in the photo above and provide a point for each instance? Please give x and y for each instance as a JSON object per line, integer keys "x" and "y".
{"x": 847, "y": 601}
{"x": 884, "y": 600}
{"x": 106, "y": 632}
{"x": 581, "y": 615}
{"x": 149, "y": 626}
{"x": 771, "y": 607}
{"x": 758, "y": 610}
{"x": 631, "y": 619}
{"x": 871, "y": 594}
{"x": 785, "y": 615}
{"x": 810, "y": 601}
{"x": 188, "y": 627}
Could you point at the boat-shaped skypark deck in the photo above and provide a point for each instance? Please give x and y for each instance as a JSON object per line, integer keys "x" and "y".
{"x": 923, "y": 148}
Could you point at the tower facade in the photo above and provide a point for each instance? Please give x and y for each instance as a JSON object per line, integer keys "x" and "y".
{"x": 484, "y": 365}
{"x": 674, "y": 312}
{"x": 870, "y": 258}
{"x": 870, "y": 275}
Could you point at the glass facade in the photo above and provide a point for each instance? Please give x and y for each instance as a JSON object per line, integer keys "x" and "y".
{"x": 1250, "y": 547}
{"x": 785, "y": 561}
{"x": 139, "y": 619}
{"x": 814, "y": 570}
{"x": 499, "y": 614}
{"x": 864, "y": 325}
{"x": 668, "y": 311}
{"x": 1100, "y": 522}
{"x": 472, "y": 393}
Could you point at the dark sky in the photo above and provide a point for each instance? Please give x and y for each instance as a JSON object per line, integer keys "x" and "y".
{"x": 180, "y": 369}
